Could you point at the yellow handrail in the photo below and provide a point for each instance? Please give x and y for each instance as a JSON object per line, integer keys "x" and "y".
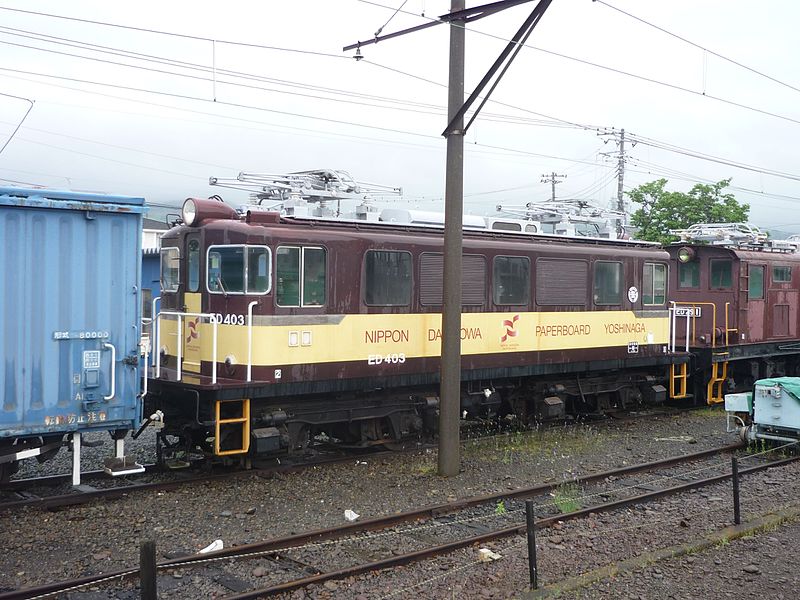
{"x": 727, "y": 328}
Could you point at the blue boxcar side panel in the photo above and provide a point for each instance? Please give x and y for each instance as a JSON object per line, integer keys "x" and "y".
{"x": 70, "y": 273}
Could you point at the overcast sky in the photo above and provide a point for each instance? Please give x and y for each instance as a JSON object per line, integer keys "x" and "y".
{"x": 297, "y": 102}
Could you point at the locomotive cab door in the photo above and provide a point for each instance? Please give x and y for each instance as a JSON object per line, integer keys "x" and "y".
{"x": 756, "y": 315}
{"x": 192, "y": 305}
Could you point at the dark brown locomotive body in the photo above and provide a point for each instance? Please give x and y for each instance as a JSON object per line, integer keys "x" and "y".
{"x": 341, "y": 329}
{"x": 744, "y": 323}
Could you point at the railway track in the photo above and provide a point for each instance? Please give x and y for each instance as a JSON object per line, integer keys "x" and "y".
{"x": 33, "y": 492}
{"x": 300, "y": 560}
{"x": 36, "y": 491}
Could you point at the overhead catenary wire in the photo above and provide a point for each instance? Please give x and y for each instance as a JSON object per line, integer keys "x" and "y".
{"x": 174, "y": 34}
{"x": 105, "y": 50}
{"x": 187, "y": 36}
{"x": 507, "y": 149}
{"x": 699, "y": 46}
{"x": 590, "y": 63}
{"x": 21, "y": 121}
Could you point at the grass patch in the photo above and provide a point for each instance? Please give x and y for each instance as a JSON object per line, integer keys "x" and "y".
{"x": 565, "y": 497}
{"x": 551, "y": 442}
{"x": 710, "y": 411}
{"x": 427, "y": 468}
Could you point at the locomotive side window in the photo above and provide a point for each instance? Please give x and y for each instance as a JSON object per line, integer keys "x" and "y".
{"x": 654, "y": 284}
{"x": 170, "y": 269}
{"x": 257, "y": 270}
{"x": 607, "y": 282}
{"x": 238, "y": 269}
{"x": 511, "y": 280}
{"x": 689, "y": 274}
{"x": 561, "y": 282}
{"x": 503, "y": 226}
{"x": 292, "y": 290}
{"x": 721, "y": 277}
{"x": 313, "y": 277}
{"x": 194, "y": 265}
{"x": 387, "y": 278}
{"x": 287, "y": 290}
{"x": 781, "y": 274}
{"x": 755, "y": 285}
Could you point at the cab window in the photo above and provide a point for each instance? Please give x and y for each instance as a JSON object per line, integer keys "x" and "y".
{"x": 654, "y": 284}
{"x": 301, "y": 278}
{"x": 755, "y": 286}
{"x": 170, "y": 269}
{"x": 238, "y": 269}
{"x": 194, "y": 265}
{"x": 721, "y": 274}
{"x": 689, "y": 274}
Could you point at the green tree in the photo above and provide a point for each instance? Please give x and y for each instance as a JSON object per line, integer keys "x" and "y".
{"x": 662, "y": 210}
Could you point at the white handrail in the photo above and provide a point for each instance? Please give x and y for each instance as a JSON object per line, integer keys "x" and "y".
{"x": 250, "y": 338}
{"x": 673, "y": 319}
{"x": 180, "y": 346}
{"x": 212, "y": 319}
{"x": 152, "y": 328}
{"x": 673, "y": 324}
{"x": 113, "y": 371}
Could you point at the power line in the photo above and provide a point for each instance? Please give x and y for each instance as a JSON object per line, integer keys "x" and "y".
{"x": 262, "y": 109}
{"x": 711, "y": 158}
{"x": 173, "y": 34}
{"x": 703, "y": 48}
{"x": 498, "y": 102}
{"x": 435, "y": 110}
{"x": 621, "y": 72}
{"x": 22, "y": 120}
{"x": 661, "y": 145}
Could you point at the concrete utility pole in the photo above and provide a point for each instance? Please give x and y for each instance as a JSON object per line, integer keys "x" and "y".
{"x": 621, "y": 171}
{"x": 619, "y": 139}
{"x": 450, "y": 391}
{"x": 459, "y": 17}
{"x": 552, "y": 179}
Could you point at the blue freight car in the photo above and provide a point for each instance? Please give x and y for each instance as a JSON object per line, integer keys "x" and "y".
{"x": 70, "y": 312}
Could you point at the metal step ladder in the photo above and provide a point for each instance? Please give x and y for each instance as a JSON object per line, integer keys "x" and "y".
{"x": 714, "y": 391}
{"x": 236, "y": 417}
{"x": 678, "y": 380}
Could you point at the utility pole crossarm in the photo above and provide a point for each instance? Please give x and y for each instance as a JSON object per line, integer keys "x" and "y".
{"x": 467, "y": 15}
{"x": 505, "y": 59}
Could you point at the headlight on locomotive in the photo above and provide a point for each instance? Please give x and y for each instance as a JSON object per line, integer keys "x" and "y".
{"x": 189, "y": 212}
{"x": 686, "y": 255}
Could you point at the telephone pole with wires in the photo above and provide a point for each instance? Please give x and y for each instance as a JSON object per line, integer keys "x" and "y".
{"x": 619, "y": 140}
{"x": 552, "y": 179}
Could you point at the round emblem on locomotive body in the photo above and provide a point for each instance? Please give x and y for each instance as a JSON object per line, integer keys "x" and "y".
{"x": 633, "y": 294}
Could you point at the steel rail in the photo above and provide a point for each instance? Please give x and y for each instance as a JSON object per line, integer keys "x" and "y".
{"x": 19, "y": 485}
{"x": 431, "y": 511}
{"x": 479, "y": 539}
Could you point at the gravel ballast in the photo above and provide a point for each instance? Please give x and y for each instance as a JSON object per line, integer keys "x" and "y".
{"x": 46, "y": 546}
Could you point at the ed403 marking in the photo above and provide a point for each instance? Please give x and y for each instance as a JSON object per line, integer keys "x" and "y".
{"x": 229, "y": 319}
{"x": 393, "y": 359}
